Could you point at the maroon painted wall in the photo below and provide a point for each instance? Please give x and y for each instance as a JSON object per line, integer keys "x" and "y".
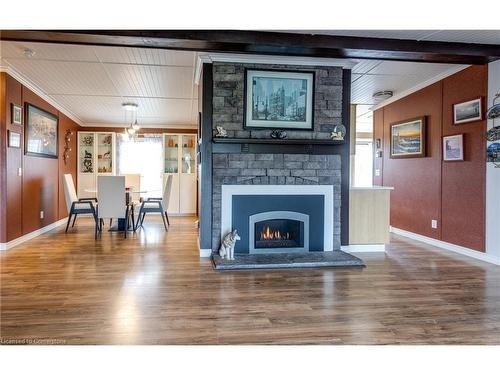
{"x": 40, "y": 186}
{"x": 453, "y": 193}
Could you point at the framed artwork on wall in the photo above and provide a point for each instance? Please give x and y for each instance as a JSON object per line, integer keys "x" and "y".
{"x": 408, "y": 138}
{"x": 14, "y": 139}
{"x": 467, "y": 111}
{"x": 16, "y": 114}
{"x": 279, "y": 99}
{"x": 453, "y": 147}
{"x": 41, "y": 133}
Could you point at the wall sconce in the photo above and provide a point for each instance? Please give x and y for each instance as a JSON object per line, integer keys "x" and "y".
{"x": 67, "y": 148}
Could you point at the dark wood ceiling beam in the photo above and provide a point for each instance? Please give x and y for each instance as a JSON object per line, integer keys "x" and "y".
{"x": 271, "y": 43}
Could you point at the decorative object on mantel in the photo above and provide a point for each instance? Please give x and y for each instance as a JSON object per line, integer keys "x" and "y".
{"x": 279, "y": 99}
{"x": 338, "y": 133}
{"x": 278, "y": 134}
{"x": 221, "y": 132}
{"x": 226, "y": 249}
{"x": 493, "y": 134}
{"x": 16, "y": 114}
{"x": 67, "y": 149}
{"x": 467, "y": 111}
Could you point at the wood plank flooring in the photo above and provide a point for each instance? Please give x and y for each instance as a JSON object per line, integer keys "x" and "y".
{"x": 152, "y": 288}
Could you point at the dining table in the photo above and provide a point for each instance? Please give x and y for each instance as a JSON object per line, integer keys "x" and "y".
{"x": 120, "y": 226}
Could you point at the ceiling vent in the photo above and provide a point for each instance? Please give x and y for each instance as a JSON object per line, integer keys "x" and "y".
{"x": 382, "y": 95}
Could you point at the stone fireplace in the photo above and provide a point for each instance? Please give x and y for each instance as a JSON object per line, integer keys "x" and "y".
{"x": 286, "y": 196}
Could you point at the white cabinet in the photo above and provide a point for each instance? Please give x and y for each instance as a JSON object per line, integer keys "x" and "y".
{"x": 179, "y": 151}
{"x": 96, "y": 156}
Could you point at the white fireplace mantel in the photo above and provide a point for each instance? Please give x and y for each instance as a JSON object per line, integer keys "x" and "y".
{"x": 326, "y": 190}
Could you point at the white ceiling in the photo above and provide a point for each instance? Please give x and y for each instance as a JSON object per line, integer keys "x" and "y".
{"x": 461, "y": 36}
{"x": 91, "y": 82}
{"x": 370, "y": 76}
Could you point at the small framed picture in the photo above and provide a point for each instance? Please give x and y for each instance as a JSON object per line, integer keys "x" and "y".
{"x": 453, "y": 148}
{"x": 467, "y": 111}
{"x": 16, "y": 114}
{"x": 14, "y": 139}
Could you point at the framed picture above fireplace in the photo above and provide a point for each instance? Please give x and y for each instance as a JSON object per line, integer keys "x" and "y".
{"x": 279, "y": 99}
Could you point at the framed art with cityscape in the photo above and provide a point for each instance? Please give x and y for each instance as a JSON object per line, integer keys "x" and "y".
{"x": 408, "y": 138}
{"x": 279, "y": 99}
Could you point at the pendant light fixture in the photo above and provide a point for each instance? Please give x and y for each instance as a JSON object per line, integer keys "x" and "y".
{"x": 131, "y": 119}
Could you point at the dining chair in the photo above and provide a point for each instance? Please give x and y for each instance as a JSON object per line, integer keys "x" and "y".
{"x": 133, "y": 180}
{"x": 159, "y": 205}
{"x": 76, "y": 206}
{"x": 112, "y": 204}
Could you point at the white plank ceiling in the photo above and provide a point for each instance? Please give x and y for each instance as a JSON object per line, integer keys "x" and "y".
{"x": 91, "y": 82}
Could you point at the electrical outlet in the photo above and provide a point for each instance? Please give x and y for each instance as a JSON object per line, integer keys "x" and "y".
{"x": 434, "y": 224}
{"x": 41, "y": 214}
{"x": 377, "y": 172}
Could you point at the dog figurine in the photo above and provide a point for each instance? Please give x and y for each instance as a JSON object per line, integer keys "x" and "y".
{"x": 227, "y": 245}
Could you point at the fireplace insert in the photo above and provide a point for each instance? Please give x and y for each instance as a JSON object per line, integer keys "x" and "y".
{"x": 279, "y": 231}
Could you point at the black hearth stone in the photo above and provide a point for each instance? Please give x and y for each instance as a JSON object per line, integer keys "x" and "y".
{"x": 287, "y": 260}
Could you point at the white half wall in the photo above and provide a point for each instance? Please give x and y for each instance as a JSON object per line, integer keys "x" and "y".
{"x": 493, "y": 174}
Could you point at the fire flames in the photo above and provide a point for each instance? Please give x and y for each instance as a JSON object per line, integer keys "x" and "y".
{"x": 273, "y": 234}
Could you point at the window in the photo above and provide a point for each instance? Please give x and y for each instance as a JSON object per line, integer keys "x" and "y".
{"x": 142, "y": 156}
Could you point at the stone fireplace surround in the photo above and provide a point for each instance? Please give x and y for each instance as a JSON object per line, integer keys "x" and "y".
{"x": 276, "y": 169}
{"x": 325, "y": 210}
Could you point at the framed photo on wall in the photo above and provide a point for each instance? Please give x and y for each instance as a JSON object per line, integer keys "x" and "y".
{"x": 453, "y": 147}
{"x": 279, "y": 99}
{"x": 14, "y": 139}
{"x": 41, "y": 133}
{"x": 16, "y": 114}
{"x": 467, "y": 111}
{"x": 408, "y": 138}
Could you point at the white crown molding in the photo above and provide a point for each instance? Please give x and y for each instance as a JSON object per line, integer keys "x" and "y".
{"x": 29, "y": 236}
{"x": 143, "y": 126}
{"x": 420, "y": 86}
{"x": 268, "y": 59}
{"x": 33, "y": 87}
{"x": 485, "y": 257}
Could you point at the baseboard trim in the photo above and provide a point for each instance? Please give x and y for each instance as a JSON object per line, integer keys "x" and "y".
{"x": 447, "y": 246}
{"x": 30, "y": 236}
{"x": 369, "y": 248}
{"x": 205, "y": 253}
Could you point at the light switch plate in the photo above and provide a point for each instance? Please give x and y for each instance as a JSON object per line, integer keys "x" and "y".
{"x": 434, "y": 224}
{"x": 41, "y": 214}
{"x": 19, "y": 171}
{"x": 377, "y": 172}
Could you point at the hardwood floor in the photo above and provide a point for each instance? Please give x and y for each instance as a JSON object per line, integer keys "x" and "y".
{"x": 152, "y": 288}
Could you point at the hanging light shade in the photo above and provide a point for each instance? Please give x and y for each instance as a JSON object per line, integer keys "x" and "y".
{"x": 136, "y": 125}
